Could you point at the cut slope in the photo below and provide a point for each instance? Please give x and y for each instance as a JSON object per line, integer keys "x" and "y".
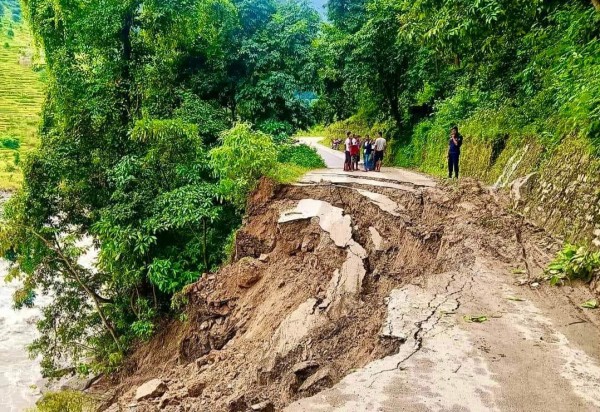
{"x": 332, "y": 286}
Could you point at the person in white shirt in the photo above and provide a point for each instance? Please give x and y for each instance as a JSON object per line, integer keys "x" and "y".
{"x": 379, "y": 146}
{"x": 348, "y": 159}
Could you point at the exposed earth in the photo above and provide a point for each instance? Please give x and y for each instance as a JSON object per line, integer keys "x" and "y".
{"x": 374, "y": 292}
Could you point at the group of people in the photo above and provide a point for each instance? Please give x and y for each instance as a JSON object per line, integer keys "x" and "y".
{"x": 372, "y": 150}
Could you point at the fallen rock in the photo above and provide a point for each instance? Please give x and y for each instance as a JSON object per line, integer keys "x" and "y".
{"x": 266, "y": 406}
{"x": 303, "y": 367}
{"x": 195, "y": 388}
{"x": 151, "y": 389}
{"x": 263, "y": 258}
{"x": 249, "y": 279}
{"x": 321, "y": 378}
{"x": 520, "y": 188}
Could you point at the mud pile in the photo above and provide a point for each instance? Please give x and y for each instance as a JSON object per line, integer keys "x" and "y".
{"x": 313, "y": 292}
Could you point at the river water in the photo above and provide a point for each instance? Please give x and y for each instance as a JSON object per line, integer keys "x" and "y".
{"x": 20, "y": 377}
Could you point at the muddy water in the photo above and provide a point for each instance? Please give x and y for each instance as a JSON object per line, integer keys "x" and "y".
{"x": 20, "y": 376}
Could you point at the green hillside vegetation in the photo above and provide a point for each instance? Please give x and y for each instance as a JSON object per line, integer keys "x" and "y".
{"x": 21, "y": 96}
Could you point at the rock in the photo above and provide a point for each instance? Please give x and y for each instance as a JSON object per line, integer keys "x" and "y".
{"x": 263, "y": 258}
{"x": 520, "y": 188}
{"x": 195, "y": 388}
{"x": 248, "y": 279}
{"x": 266, "y": 406}
{"x": 303, "y": 367}
{"x": 151, "y": 389}
{"x": 321, "y": 377}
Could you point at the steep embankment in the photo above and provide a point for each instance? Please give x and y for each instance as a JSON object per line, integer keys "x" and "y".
{"x": 398, "y": 296}
{"x": 21, "y": 96}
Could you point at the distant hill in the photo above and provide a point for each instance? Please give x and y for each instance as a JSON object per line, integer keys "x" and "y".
{"x": 21, "y": 94}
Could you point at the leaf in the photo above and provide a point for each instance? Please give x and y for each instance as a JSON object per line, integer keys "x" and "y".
{"x": 519, "y": 271}
{"x": 515, "y": 298}
{"x": 590, "y": 304}
{"x": 475, "y": 318}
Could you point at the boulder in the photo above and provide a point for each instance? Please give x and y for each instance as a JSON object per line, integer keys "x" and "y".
{"x": 151, "y": 389}
{"x": 321, "y": 378}
{"x": 195, "y": 388}
{"x": 304, "y": 367}
{"x": 522, "y": 187}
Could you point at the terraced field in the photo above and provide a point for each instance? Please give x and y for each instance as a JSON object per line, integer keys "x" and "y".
{"x": 21, "y": 98}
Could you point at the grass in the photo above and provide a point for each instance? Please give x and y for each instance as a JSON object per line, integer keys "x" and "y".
{"x": 288, "y": 172}
{"x": 21, "y": 98}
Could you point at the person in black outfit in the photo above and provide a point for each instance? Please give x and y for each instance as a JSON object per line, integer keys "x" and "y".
{"x": 454, "y": 145}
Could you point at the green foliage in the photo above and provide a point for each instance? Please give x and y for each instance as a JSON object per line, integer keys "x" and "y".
{"x": 300, "y": 155}
{"x": 280, "y": 131}
{"x": 65, "y": 401}
{"x": 572, "y": 263}
{"x": 12, "y": 143}
{"x": 241, "y": 159}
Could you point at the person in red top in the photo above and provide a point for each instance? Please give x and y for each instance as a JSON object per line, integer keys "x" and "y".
{"x": 354, "y": 152}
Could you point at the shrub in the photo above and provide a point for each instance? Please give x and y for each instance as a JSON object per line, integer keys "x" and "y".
{"x": 301, "y": 155}
{"x": 65, "y": 401}
{"x": 243, "y": 157}
{"x": 281, "y": 131}
{"x": 10, "y": 143}
{"x": 573, "y": 262}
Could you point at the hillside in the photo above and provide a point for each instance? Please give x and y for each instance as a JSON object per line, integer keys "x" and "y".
{"x": 397, "y": 293}
{"x": 21, "y": 96}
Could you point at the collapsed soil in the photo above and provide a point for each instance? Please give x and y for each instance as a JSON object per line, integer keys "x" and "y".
{"x": 232, "y": 352}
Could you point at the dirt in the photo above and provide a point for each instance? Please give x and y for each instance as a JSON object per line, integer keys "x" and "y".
{"x": 316, "y": 315}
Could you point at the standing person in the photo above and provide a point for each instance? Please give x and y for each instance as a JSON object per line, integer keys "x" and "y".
{"x": 367, "y": 153}
{"x": 348, "y": 159}
{"x": 454, "y": 145}
{"x": 380, "y": 144}
{"x": 355, "y": 152}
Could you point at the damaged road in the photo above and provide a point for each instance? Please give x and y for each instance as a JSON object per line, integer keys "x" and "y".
{"x": 374, "y": 292}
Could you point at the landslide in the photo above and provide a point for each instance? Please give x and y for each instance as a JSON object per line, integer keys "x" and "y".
{"x": 304, "y": 301}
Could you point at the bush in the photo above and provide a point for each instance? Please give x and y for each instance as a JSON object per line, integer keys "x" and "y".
{"x": 64, "y": 401}
{"x": 573, "y": 262}
{"x": 281, "y": 131}
{"x": 300, "y": 155}
{"x": 10, "y": 143}
{"x": 243, "y": 157}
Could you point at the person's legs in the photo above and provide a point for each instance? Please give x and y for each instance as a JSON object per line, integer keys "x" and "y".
{"x": 367, "y": 160}
{"x": 347, "y": 161}
{"x": 456, "y": 161}
{"x": 453, "y": 165}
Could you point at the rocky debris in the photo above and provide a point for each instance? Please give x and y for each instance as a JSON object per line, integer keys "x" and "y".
{"x": 522, "y": 187}
{"x": 377, "y": 240}
{"x": 266, "y": 406}
{"x": 317, "y": 315}
{"x": 151, "y": 389}
{"x": 304, "y": 368}
{"x": 382, "y": 201}
{"x": 195, "y": 388}
{"x": 321, "y": 379}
